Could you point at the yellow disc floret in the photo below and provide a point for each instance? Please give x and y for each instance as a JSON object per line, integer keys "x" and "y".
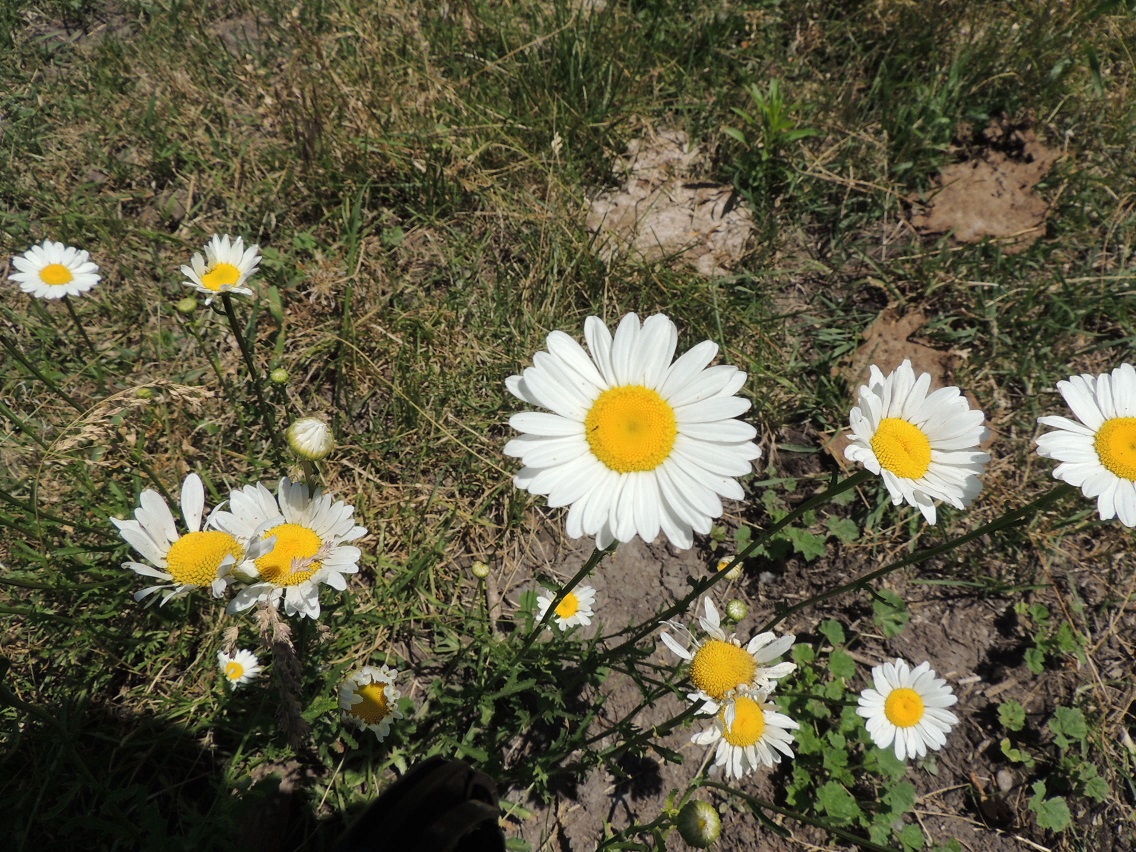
{"x": 1115, "y": 443}
{"x": 290, "y": 561}
{"x": 631, "y": 428}
{"x": 55, "y": 274}
{"x": 721, "y": 666}
{"x": 902, "y": 448}
{"x": 234, "y": 670}
{"x": 195, "y": 558}
{"x": 374, "y": 706}
{"x": 569, "y": 606}
{"x": 749, "y": 723}
{"x": 903, "y": 707}
{"x": 221, "y": 275}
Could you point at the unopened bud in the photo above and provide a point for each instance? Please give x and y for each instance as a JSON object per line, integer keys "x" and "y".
{"x": 480, "y": 569}
{"x": 735, "y": 572}
{"x": 736, "y": 610}
{"x": 310, "y": 438}
{"x": 188, "y": 305}
{"x": 699, "y": 824}
{"x": 279, "y": 376}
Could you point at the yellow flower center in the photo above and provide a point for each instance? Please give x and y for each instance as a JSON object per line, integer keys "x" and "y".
{"x": 234, "y": 670}
{"x": 374, "y": 705}
{"x": 221, "y": 275}
{"x": 195, "y": 558}
{"x": 569, "y": 606}
{"x": 295, "y": 546}
{"x": 749, "y": 723}
{"x": 721, "y": 666}
{"x": 1115, "y": 443}
{"x": 631, "y": 428}
{"x": 903, "y": 707}
{"x": 55, "y": 274}
{"x": 902, "y": 448}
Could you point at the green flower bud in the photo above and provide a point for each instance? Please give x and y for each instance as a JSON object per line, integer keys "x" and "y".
{"x": 699, "y": 824}
{"x": 188, "y": 305}
{"x": 480, "y": 569}
{"x": 310, "y": 438}
{"x": 279, "y": 375}
{"x": 736, "y": 610}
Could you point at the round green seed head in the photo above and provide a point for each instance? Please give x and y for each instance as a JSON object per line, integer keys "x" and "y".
{"x": 699, "y": 824}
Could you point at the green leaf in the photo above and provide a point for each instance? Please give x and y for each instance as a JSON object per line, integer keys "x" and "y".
{"x": 845, "y": 529}
{"x": 1052, "y": 814}
{"x": 841, "y": 664}
{"x": 1035, "y": 660}
{"x": 1015, "y": 754}
{"x": 889, "y": 612}
{"x": 837, "y": 802}
{"x": 321, "y": 705}
{"x": 1012, "y": 715}
{"x": 1096, "y": 789}
{"x": 911, "y": 836}
{"x": 1069, "y": 726}
{"x": 803, "y": 654}
{"x": 809, "y": 545}
{"x": 900, "y": 797}
{"x": 833, "y": 631}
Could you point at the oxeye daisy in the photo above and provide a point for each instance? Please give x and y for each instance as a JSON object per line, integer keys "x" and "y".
{"x": 368, "y": 700}
{"x": 633, "y": 443}
{"x": 310, "y": 535}
{"x": 907, "y": 708}
{"x": 1098, "y": 453}
{"x": 575, "y": 608}
{"x": 924, "y": 445}
{"x": 238, "y": 669}
{"x": 202, "y": 557}
{"x": 227, "y": 265}
{"x": 719, "y": 665}
{"x": 53, "y": 270}
{"x": 750, "y": 733}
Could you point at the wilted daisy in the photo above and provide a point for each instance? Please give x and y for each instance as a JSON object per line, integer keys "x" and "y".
{"x": 368, "y": 699}
{"x": 750, "y": 732}
{"x": 575, "y": 608}
{"x": 238, "y": 669}
{"x": 201, "y": 558}
{"x": 907, "y": 707}
{"x": 633, "y": 443}
{"x": 310, "y": 535}
{"x": 227, "y": 265}
{"x": 52, "y": 270}
{"x": 924, "y": 445}
{"x": 1097, "y": 454}
{"x": 310, "y": 438}
{"x": 719, "y": 664}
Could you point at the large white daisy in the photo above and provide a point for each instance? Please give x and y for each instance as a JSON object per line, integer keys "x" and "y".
{"x": 227, "y": 265}
{"x": 633, "y": 443}
{"x": 924, "y": 445}
{"x": 202, "y": 557}
{"x": 368, "y": 699}
{"x": 575, "y": 608}
{"x": 719, "y": 665}
{"x": 907, "y": 708}
{"x": 310, "y": 535}
{"x": 750, "y": 733}
{"x": 1097, "y": 454}
{"x": 53, "y": 270}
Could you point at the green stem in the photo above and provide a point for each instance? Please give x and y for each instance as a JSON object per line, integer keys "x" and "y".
{"x": 52, "y": 386}
{"x": 593, "y": 561}
{"x": 761, "y": 804}
{"x": 1000, "y": 523}
{"x": 701, "y": 587}
{"x": 95, "y": 364}
{"x": 266, "y": 413}
{"x": 33, "y": 510}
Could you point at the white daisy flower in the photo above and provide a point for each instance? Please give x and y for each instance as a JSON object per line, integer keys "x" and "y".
{"x": 310, "y": 537}
{"x": 924, "y": 445}
{"x": 202, "y": 557}
{"x": 719, "y": 665}
{"x": 907, "y": 707}
{"x": 750, "y": 733}
{"x": 240, "y": 668}
{"x": 227, "y": 265}
{"x": 1097, "y": 454}
{"x": 52, "y": 270}
{"x": 633, "y": 443}
{"x": 576, "y": 608}
{"x": 368, "y": 700}
{"x": 310, "y": 438}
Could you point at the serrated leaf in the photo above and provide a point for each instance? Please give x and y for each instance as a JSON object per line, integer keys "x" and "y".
{"x": 833, "y": 631}
{"x": 900, "y": 797}
{"x": 321, "y": 705}
{"x": 1012, "y": 715}
{"x": 841, "y": 664}
{"x": 1052, "y": 814}
{"x": 889, "y": 612}
{"x": 1035, "y": 660}
{"x": 809, "y": 545}
{"x": 1096, "y": 789}
{"x": 1069, "y": 726}
{"x": 837, "y": 802}
{"x": 844, "y": 529}
{"x": 912, "y": 837}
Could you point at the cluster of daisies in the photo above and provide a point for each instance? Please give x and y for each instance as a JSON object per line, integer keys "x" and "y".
{"x": 906, "y": 709}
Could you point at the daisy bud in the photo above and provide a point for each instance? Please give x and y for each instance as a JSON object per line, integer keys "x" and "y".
{"x": 480, "y": 569}
{"x": 736, "y": 610}
{"x": 735, "y": 572}
{"x": 310, "y": 438}
{"x": 188, "y": 305}
{"x": 279, "y": 376}
{"x": 699, "y": 824}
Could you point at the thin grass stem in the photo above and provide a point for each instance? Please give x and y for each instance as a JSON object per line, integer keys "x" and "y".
{"x": 267, "y": 414}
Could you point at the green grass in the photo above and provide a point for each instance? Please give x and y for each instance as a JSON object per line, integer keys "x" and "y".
{"x": 397, "y": 166}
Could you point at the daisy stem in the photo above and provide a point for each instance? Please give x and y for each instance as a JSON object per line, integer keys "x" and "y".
{"x": 703, "y": 586}
{"x": 83, "y": 334}
{"x": 593, "y": 561}
{"x": 52, "y": 386}
{"x": 1002, "y": 522}
{"x": 762, "y": 805}
{"x": 266, "y": 413}
{"x": 230, "y": 393}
